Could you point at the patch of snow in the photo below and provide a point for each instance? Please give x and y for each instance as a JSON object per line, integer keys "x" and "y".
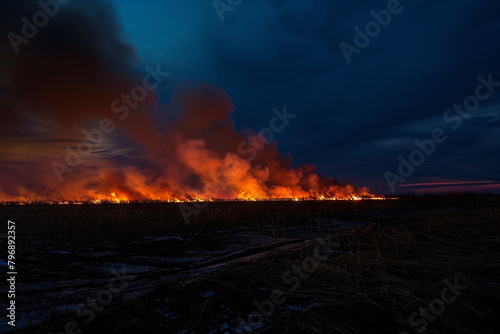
{"x": 207, "y": 294}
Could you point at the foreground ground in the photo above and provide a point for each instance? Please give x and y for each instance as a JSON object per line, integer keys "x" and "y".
{"x": 428, "y": 265}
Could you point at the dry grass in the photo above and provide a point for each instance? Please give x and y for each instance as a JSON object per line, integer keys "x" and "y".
{"x": 392, "y": 271}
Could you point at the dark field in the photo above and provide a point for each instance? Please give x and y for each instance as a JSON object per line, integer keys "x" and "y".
{"x": 415, "y": 265}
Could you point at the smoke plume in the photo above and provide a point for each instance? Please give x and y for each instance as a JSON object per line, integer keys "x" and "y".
{"x": 74, "y": 74}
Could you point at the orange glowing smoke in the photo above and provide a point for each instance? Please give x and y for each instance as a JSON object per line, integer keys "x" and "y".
{"x": 50, "y": 92}
{"x": 195, "y": 156}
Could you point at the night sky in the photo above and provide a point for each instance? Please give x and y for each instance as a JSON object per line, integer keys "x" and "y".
{"x": 360, "y": 100}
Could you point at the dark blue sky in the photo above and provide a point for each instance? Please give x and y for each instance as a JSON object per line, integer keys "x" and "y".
{"x": 354, "y": 120}
{"x": 359, "y": 112}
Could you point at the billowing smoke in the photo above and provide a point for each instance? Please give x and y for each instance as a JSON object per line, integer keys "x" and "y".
{"x": 78, "y": 122}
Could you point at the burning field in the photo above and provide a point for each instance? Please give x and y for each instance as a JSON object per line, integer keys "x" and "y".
{"x": 198, "y": 155}
{"x": 143, "y": 190}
